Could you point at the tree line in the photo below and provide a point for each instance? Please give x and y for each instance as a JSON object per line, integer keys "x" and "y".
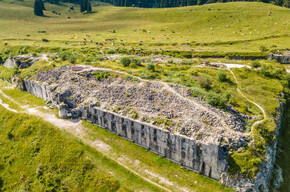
{"x": 180, "y": 3}
{"x": 85, "y": 6}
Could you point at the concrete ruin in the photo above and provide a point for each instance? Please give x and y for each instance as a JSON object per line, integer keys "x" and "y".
{"x": 77, "y": 93}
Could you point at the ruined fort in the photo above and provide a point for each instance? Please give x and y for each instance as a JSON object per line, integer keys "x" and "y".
{"x": 162, "y": 118}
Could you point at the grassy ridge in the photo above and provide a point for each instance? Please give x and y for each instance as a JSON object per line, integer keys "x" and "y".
{"x": 36, "y": 157}
{"x": 228, "y": 27}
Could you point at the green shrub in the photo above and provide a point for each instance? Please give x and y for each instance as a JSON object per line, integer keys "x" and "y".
{"x": 23, "y": 50}
{"x": 133, "y": 65}
{"x": 217, "y": 99}
{"x": 272, "y": 71}
{"x": 101, "y": 75}
{"x": 146, "y": 75}
{"x": 287, "y": 77}
{"x": 151, "y": 67}
{"x": 205, "y": 82}
{"x": 44, "y": 40}
{"x": 72, "y": 58}
{"x": 256, "y": 64}
{"x": 7, "y": 73}
{"x": 7, "y": 51}
{"x": 135, "y": 115}
{"x": 196, "y": 92}
{"x": 110, "y": 51}
{"x": 125, "y": 61}
{"x": 263, "y": 48}
{"x": 64, "y": 55}
{"x": 136, "y": 61}
{"x": 101, "y": 58}
{"x": 222, "y": 76}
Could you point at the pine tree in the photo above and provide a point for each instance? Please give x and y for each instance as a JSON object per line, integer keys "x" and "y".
{"x": 83, "y": 6}
{"x": 286, "y": 3}
{"x": 38, "y": 7}
{"x": 89, "y": 7}
{"x": 86, "y": 6}
{"x": 42, "y": 5}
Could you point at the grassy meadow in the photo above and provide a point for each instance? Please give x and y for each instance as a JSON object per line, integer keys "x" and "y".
{"x": 222, "y": 27}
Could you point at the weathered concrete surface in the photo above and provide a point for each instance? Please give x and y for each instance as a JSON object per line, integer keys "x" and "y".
{"x": 20, "y": 61}
{"x": 204, "y": 158}
{"x": 78, "y": 94}
{"x": 284, "y": 59}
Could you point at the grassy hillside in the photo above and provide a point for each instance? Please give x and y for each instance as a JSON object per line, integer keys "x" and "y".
{"x": 133, "y": 156}
{"x": 227, "y": 27}
{"x": 39, "y": 158}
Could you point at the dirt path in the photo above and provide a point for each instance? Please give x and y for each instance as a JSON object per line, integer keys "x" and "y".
{"x": 75, "y": 128}
{"x": 259, "y": 106}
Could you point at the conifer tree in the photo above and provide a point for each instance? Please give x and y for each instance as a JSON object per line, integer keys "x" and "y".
{"x": 86, "y": 6}
{"x": 89, "y": 7}
{"x": 38, "y": 7}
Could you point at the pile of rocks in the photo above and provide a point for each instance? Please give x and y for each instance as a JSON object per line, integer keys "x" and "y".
{"x": 147, "y": 101}
{"x": 20, "y": 61}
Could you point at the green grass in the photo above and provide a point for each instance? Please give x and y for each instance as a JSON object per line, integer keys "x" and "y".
{"x": 227, "y": 27}
{"x": 65, "y": 163}
{"x": 119, "y": 148}
{"x": 152, "y": 162}
{"x": 265, "y": 91}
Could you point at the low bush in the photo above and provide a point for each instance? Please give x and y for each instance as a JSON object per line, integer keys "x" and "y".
{"x": 23, "y": 50}
{"x": 125, "y": 61}
{"x": 217, "y": 99}
{"x": 256, "y": 64}
{"x": 110, "y": 51}
{"x": 101, "y": 75}
{"x": 151, "y": 67}
{"x": 205, "y": 82}
{"x": 222, "y": 76}
{"x": 272, "y": 71}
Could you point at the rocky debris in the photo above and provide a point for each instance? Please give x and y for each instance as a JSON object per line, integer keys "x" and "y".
{"x": 284, "y": 59}
{"x": 149, "y": 102}
{"x": 20, "y": 61}
{"x": 233, "y": 118}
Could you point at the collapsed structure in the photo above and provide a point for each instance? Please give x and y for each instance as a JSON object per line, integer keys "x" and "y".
{"x": 162, "y": 118}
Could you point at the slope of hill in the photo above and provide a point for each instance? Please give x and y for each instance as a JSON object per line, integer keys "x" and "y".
{"x": 228, "y": 27}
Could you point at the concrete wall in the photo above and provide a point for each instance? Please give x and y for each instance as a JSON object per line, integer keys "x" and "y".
{"x": 280, "y": 58}
{"x": 207, "y": 159}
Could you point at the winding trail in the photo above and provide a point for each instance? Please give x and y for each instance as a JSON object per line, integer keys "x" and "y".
{"x": 76, "y": 128}
{"x": 249, "y": 100}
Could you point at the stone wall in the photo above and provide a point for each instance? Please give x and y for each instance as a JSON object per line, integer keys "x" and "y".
{"x": 205, "y": 158}
{"x": 284, "y": 59}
